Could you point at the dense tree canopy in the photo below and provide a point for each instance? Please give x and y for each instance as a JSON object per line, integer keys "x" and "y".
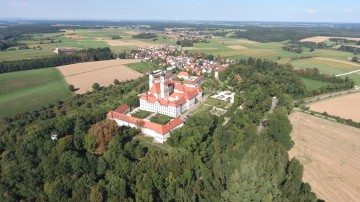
{"x": 95, "y": 160}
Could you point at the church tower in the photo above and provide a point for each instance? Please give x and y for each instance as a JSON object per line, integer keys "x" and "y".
{"x": 162, "y": 85}
{"x": 151, "y": 79}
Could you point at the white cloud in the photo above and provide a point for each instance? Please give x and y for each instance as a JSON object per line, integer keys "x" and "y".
{"x": 310, "y": 11}
{"x": 346, "y": 10}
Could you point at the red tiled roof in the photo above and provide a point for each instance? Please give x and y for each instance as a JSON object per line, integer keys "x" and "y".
{"x": 160, "y": 129}
{"x": 122, "y": 109}
{"x": 183, "y": 74}
{"x": 155, "y": 88}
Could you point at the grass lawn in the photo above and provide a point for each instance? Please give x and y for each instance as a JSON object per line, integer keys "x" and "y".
{"x": 142, "y": 67}
{"x": 202, "y": 108}
{"x": 148, "y": 142}
{"x": 313, "y": 84}
{"x": 160, "y": 119}
{"x": 141, "y": 114}
{"x": 30, "y": 90}
{"x": 216, "y": 102}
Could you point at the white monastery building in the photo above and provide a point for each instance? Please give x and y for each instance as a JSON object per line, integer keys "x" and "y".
{"x": 170, "y": 97}
{"x": 165, "y": 96}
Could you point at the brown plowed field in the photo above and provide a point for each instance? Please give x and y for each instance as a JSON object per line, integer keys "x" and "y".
{"x": 346, "y": 106}
{"x": 330, "y": 153}
{"x": 84, "y": 75}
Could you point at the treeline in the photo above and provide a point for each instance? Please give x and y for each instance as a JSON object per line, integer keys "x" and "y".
{"x": 185, "y": 43}
{"x": 277, "y": 34}
{"x": 4, "y": 45}
{"x": 16, "y": 31}
{"x": 334, "y": 83}
{"x": 144, "y": 36}
{"x": 351, "y": 49}
{"x": 58, "y": 60}
{"x": 293, "y": 48}
{"x": 94, "y": 160}
{"x": 298, "y": 46}
{"x": 342, "y": 40}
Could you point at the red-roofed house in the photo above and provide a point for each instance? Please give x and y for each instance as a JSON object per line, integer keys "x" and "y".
{"x": 183, "y": 75}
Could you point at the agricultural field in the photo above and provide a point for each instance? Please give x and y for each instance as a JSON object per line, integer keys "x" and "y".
{"x": 142, "y": 67}
{"x": 313, "y": 84}
{"x": 318, "y": 39}
{"x": 84, "y": 75}
{"x": 30, "y": 90}
{"x": 328, "y": 66}
{"x": 329, "y": 61}
{"x": 330, "y": 154}
{"x": 346, "y": 106}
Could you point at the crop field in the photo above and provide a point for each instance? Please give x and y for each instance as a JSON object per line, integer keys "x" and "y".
{"x": 330, "y": 154}
{"x": 318, "y": 39}
{"x": 346, "y": 106}
{"x": 84, "y": 75}
{"x": 142, "y": 67}
{"x": 313, "y": 84}
{"x": 30, "y": 90}
{"x": 333, "y": 67}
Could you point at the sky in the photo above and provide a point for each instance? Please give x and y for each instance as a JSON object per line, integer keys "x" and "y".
{"x": 209, "y": 10}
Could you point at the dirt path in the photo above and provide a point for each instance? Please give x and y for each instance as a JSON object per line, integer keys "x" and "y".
{"x": 330, "y": 153}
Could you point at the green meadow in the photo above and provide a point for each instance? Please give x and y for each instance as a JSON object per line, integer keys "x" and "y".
{"x": 313, "y": 84}
{"x": 30, "y": 90}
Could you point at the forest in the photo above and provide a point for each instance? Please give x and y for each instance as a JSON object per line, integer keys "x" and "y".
{"x": 86, "y": 55}
{"x": 95, "y": 160}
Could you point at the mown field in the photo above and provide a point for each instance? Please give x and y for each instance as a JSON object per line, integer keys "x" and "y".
{"x": 31, "y": 90}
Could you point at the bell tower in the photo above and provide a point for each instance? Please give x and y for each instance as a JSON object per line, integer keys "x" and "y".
{"x": 151, "y": 79}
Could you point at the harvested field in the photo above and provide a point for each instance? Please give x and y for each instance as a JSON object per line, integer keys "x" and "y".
{"x": 319, "y": 39}
{"x": 330, "y": 153}
{"x": 237, "y": 47}
{"x": 346, "y": 106}
{"x": 84, "y": 75}
{"x": 138, "y": 43}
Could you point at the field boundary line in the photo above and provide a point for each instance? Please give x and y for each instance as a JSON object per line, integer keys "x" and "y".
{"x": 348, "y": 73}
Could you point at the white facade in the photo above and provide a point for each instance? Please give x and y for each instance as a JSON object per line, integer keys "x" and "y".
{"x": 148, "y": 132}
{"x": 158, "y": 108}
